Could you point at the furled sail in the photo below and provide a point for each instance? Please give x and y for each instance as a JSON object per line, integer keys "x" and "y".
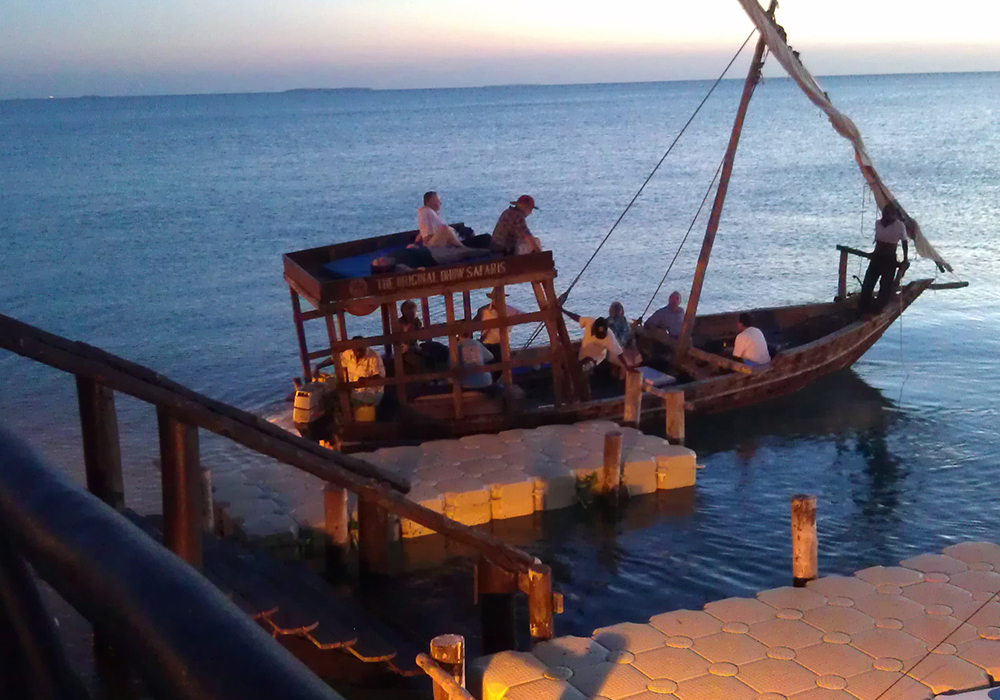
{"x": 774, "y": 37}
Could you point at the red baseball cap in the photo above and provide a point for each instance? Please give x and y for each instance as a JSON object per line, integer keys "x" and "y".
{"x": 526, "y": 199}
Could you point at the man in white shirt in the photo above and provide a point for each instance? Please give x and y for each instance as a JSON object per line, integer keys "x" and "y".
{"x": 362, "y": 363}
{"x": 434, "y": 232}
{"x": 599, "y": 343}
{"x": 750, "y": 345}
{"x": 490, "y": 337}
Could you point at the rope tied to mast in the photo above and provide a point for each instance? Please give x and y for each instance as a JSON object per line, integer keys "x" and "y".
{"x": 565, "y": 295}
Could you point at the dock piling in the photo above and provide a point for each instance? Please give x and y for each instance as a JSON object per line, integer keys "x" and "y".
{"x": 804, "y": 546}
{"x": 611, "y": 472}
{"x": 673, "y": 402}
{"x": 633, "y": 398}
{"x": 540, "y": 603}
{"x": 336, "y": 526}
{"x": 496, "y": 587}
{"x": 448, "y": 651}
{"x": 373, "y": 536}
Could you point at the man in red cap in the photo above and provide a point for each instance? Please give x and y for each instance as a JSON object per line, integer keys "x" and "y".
{"x": 511, "y": 235}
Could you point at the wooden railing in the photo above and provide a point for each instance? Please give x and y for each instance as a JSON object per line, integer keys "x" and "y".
{"x": 842, "y": 271}
{"x": 502, "y": 569}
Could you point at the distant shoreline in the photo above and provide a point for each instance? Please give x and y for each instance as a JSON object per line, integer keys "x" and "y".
{"x": 338, "y": 90}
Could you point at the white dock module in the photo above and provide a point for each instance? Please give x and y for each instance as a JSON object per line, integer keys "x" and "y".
{"x": 480, "y": 478}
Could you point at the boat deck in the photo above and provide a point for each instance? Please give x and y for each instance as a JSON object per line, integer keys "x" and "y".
{"x": 926, "y": 627}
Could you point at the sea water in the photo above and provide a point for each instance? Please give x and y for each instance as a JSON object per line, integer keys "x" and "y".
{"x": 154, "y": 228}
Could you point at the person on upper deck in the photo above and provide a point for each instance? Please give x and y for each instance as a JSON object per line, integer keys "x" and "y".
{"x": 669, "y": 318}
{"x": 750, "y": 345}
{"x": 511, "y": 235}
{"x": 490, "y": 337}
{"x": 889, "y": 231}
{"x": 435, "y": 233}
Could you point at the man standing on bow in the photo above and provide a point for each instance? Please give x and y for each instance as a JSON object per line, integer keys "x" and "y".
{"x": 511, "y": 235}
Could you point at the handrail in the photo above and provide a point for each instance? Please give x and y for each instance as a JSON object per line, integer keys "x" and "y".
{"x": 246, "y": 429}
{"x": 182, "y": 635}
{"x": 853, "y": 251}
{"x": 441, "y": 679}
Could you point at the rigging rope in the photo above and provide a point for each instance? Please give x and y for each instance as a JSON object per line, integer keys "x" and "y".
{"x": 660, "y": 162}
{"x": 684, "y": 240}
{"x": 642, "y": 187}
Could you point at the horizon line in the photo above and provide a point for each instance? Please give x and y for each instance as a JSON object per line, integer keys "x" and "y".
{"x": 473, "y": 87}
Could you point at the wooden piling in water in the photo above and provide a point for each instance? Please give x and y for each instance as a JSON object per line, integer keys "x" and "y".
{"x": 633, "y": 398}
{"x": 448, "y": 651}
{"x": 673, "y": 403}
{"x": 540, "y": 603}
{"x": 496, "y": 587}
{"x": 804, "y": 545}
{"x": 373, "y": 536}
{"x": 336, "y": 525}
{"x": 611, "y": 472}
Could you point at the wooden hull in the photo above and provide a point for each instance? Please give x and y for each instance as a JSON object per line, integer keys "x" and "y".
{"x": 789, "y": 371}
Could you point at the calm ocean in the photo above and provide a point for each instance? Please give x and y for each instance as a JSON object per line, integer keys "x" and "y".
{"x": 154, "y": 228}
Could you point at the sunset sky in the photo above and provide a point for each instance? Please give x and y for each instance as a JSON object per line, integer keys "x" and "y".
{"x": 115, "y": 47}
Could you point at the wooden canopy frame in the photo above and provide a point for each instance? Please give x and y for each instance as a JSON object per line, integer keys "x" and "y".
{"x": 332, "y": 299}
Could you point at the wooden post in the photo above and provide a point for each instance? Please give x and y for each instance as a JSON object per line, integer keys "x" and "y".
{"x": 300, "y": 331}
{"x": 673, "y": 403}
{"x": 467, "y": 304}
{"x": 397, "y": 354}
{"x": 456, "y": 376}
{"x": 804, "y": 549}
{"x": 540, "y": 603}
{"x": 448, "y": 650}
{"x": 386, "y": 330}
{"x": 343, "y": 393}
{"x": 373, "y": 536}
{"x": 560, "y": 367}
{"x": 101, "y": 449}
{"x": 501, "y": 304}
{"x": 633, "y": 398}
{"x": 207, "y": 503}
{"x": 181, "y": 485}
{"x": 496, "y": 587}
{"x": 425, "y": 311}
{"x": 842, "y": 277}
{"x": 102, "y": 461}
{"x": 611, "y": 473}
{"x": 580, "y": 383}
{"x": 336, "y": 526}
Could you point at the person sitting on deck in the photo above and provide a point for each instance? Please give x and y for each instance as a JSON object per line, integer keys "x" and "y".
{"x": 417, "y": 257}
{"x": 419, "y": 356}
{"x": 490, "y": 337}
{"x": 511, "y": 235}
{"x": 361, "y": 363}
{"x": 435, "y": 233}
{"x": 619, "y": 324}
{"x": 889, "y": 231}
{"x": 750, "y": 345}
{"x": 669, "y": 318}
{"x": 472, "y": 353}
{"x": 599, "y": 343}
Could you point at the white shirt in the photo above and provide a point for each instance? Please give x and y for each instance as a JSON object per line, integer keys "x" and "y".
{"x": 893, "y": 233}
{"x": 750, "y": 345}
{"x": 434, "y": 232}
{"x": 597, "y": 349}
{"x": 488, "y": 313}
{"x": 370, "y": 365}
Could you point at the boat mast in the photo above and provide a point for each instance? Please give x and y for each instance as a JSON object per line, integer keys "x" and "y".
{"x": 684, "y": 342}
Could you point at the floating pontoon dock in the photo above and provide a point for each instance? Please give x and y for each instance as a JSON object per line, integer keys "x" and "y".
{"x": 928, "y": 626}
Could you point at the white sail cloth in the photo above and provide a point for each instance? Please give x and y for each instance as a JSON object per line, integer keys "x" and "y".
{"x": 776, "y": 43}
